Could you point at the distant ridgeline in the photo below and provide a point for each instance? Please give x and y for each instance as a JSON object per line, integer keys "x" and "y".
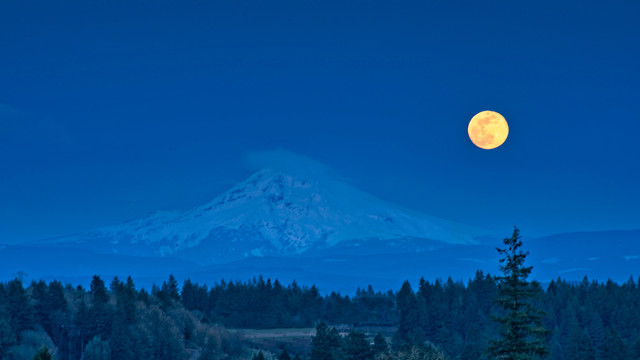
{"x": 589, "y": 320}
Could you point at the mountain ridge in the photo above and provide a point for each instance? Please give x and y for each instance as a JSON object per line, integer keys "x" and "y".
{"x": 274, "y": 213}
{"x": 298, "y": 220}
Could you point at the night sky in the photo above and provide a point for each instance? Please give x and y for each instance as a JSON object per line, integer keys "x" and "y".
{"x": 110, "y": 110}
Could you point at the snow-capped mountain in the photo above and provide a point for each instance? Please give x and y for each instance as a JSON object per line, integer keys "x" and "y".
{"x": 289, "y": 209}
{"x": 296, "y": 219}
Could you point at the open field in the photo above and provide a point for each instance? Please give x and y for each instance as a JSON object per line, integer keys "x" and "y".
{"x": 287, "y": 333}
{"x": 294, "y": 340}
{"x": 297, "y": 340}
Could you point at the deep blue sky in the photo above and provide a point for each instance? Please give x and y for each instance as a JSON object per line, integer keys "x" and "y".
{"x": 112, "y": 109}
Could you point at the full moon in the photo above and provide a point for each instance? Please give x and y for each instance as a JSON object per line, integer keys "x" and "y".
{"x": 488, "y": 130}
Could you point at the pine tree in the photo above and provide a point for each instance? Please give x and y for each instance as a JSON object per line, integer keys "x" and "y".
{"x": 121, "y": 344}
{"x": 43, "y": 354}
{"x": 522, "y": 336}
{"x": 188, "y": 295}
{"x": 127, "y": 300}
{"x": 174, "y": 291}
{"x": 7, "y": 336}
{"x": 284, "y": 355}
{"x": 116, "y": 285}
{"x": 99, "y": 314}
{"x": 326, "y": 344}
{"x": 97, "y": 349}
{"x": 356, "y": 347}
{"x": 98, "y": 291}
{"x": 18, "y": 307}
{"x": 82, "y": 323}
{"x": 380, "y": 345}
{"x": 579, "y": 345}
{"x": 614, "y": 348}
{"x": 412, "y": 318}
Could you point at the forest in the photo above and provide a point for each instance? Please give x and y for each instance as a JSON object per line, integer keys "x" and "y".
{"x": 587, "y": 320}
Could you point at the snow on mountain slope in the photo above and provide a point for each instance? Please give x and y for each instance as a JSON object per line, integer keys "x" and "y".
{"x": 287, "y": 209}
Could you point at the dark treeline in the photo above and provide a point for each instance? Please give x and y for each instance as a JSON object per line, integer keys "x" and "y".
{"x": 115, "y": 323}
{"x": 266, "y": 304}
{"x": 589, "y": 321}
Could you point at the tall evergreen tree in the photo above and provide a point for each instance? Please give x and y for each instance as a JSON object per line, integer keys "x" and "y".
{"x": 284, "y": 355}
{"x": 614, "y": 348}
{"x": 173, "y": 290}
{"x": 579, "y": 345}
{"x": 127, "y": 300}
{"x": 99, "y": 315}
{"x": 43, "y": 354}
{"x": 121, "y": 344}
{"x": 258, "y": 356}
{"x": 98, "y": 291}
{"x": 522, "y": 336}
{"x": 380, "y": 345}
{"x": 356, "y": 347}
{"x": 18, "y": 307}
{"x": 97, "y": 349}
{"x": 412, "y": 318}
{"x": 7, "y": 336}
{"x": 326, "y": 344}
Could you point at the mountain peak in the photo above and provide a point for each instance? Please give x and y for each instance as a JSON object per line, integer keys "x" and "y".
{"x": 291, "y": 206}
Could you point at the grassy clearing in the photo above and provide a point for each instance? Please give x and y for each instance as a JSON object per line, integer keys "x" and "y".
{"x": 295, "y": 340}
{"x": 276, "y": 333}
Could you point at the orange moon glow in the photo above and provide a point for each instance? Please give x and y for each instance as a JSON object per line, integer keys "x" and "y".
{"x": 488, "y": 130}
